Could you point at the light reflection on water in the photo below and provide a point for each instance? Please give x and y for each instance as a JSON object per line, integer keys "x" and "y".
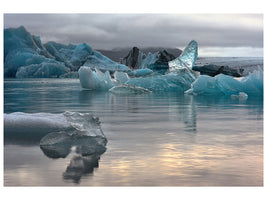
{"x": 153, "y": 140}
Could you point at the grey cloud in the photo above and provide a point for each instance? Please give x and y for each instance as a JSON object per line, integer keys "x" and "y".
{"x": 114, "y": 30}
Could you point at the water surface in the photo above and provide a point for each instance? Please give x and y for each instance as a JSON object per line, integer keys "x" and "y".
{"x": 153, "y": 139}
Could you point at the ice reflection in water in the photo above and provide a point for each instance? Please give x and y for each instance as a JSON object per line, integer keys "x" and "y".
{"x": 154, "y": 139}
{"x": 87, "y": 153}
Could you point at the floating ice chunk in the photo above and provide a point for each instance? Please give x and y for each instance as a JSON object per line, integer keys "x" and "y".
{"x": 34, "y": 126}
{"x": 59, "y": 144}
{"x": 186, "y": 59}
{"x": 28, "y": 126}
{"x": 253, "y": 83}
{"x": 222, "y": 84}
{"x": 121, "y": 77}
{"x": 126, "y": 89}
{"x": 218, "y": 85}
{"x": 228, "y": 85}
{"x": 94, "y": 80}
{"x": 241, "y": 96}
{"x": 179, "y": 81}
{"x": 204, "y": 85}
{"x": 84, "y": 133}
{"x": 141, "y": 72}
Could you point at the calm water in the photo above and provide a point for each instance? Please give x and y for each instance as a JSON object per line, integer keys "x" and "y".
{"x": 153, "y": 139}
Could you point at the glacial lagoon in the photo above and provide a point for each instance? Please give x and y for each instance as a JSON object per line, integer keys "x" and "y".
{"x": 153, "y": 139}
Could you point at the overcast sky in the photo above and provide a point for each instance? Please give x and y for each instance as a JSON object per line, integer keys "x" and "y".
{"x": 216, "y": 34}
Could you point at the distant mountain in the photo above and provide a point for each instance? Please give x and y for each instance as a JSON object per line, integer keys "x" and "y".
{"x": 117, "y": 54}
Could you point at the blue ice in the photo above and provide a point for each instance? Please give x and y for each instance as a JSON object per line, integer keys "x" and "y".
{"x": 252, "y": 85}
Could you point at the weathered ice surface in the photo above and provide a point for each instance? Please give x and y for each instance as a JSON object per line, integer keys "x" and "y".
{"x": 178, "y": 81}
{"x": 187, "y": 58}
{"x": 25, "y": 56}
{"x": 251, "y": 85}
{"x": 56, "y": 133}
{"x": 95, "y": 80}
{"x": 121, "y": 77}
{"x": 21, "y": 49}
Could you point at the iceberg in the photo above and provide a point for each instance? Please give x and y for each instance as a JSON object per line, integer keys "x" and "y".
{"x": 121, "y": 77}
{"x": 59, "y": 144}
{"x": 186, "y": 59}
{"x": 34, "y": 126}
{"x": 252, "y": 85}
{"x": 95, "y": 80}
{"x": 178, "y": 81}
{"x": 43, "y": 70}
{"x": 26, "y": 57}
{"x": 126, "y": 89}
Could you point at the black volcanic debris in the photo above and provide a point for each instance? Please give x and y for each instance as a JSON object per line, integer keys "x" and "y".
{"x": 118, "y": 54}
{"x": 131, "y": 60}
{"x": 162, "y": 62}
{"x": 213, "y": 70}
{"x": 137, "y": 59}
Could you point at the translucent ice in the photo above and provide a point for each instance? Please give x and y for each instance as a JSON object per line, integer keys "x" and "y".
{"x": 43, "y": 70}
{"x": 222, "y": 84}
{"x": 34, "y": 126}
{"x": 186, "y": 59}
{"x": 25, "y": 51}
{"x": 95, "y": 80}
{"x": 126, "y": 89}
{"x": 97, "y": 60}
{"x": 84, "y": 133}
{"x": 179, "y": 81}
{"x": 253, "y": 83}
{"x": 148, "y": 60}
{"x": 59, "y": 144}
{"x": 121, "y": 77}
